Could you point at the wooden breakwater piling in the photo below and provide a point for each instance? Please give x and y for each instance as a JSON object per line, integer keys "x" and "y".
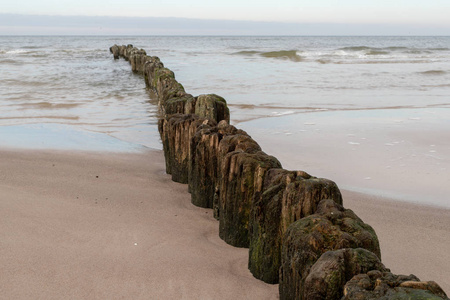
{"x": 295, "y": 225}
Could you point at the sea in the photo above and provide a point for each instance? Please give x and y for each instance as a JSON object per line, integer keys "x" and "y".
{"x": 371, "y": 113}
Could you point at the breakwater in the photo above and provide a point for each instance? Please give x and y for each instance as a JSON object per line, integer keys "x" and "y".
{"x": 297, "y": 230}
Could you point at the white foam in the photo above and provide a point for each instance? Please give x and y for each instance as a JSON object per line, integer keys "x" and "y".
{"x": 276, "y": 113}
{"x": 354, "y": 143}
{"x": 17, "y": 51}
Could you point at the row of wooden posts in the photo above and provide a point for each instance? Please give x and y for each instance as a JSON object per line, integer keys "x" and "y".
{"x": 295, "y": 226}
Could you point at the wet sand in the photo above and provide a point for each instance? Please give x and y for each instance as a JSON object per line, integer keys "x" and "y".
{"x": 108, "y": 226}
{"x": 414, "y": 239}
{"x": 396, "y": 153}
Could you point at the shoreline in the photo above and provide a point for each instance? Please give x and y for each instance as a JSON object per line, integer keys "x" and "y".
{"x": 87, "y": 245}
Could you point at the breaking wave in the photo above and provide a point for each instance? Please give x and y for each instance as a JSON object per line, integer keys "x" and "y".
{"x": 356, "y": 55}
{"x": 282, "y": 54}
{"x": 377, "y": 52}
{"x": 357, "y": 48}
{"x": 388, "y": 50}
{"x": 247, "y": 53}
{"x": 16, "y": 51}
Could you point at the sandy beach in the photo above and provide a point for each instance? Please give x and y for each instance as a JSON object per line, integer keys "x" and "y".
{"x": 110, "y": 226}
{"x": 414, "y": 239}
{"x": 96, "y": 225}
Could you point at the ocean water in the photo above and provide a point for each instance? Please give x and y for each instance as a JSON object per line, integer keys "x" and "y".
{"x": 371, "y": 113}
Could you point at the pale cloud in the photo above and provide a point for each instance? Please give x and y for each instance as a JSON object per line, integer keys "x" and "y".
{"x": 433, "y": 12}
{"x": 11, "y": 24}
{"x": 260, "y": 17}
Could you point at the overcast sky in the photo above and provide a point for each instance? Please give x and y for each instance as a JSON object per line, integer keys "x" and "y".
{"x": 391, "y": 16}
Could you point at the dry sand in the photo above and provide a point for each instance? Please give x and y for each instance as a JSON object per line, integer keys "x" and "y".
{"x": 131, "y": 233}
{"x": 77, "y": 225}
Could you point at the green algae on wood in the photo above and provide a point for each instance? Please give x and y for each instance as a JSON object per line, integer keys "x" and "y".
{"x": 286, "y": 197}
{"x": 205, "y": 161}
{"x": 176, "y": 133}
{"x": 242, "y": 176}
{"x": 385, "y": 285}
{"x": 332, "y": 227}
{"x": 328, "y": 276}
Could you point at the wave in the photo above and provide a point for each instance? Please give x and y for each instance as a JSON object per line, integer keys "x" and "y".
{"x": 249, "y": 53}
{"x": 41, "y": 117}
{"x": 31, "y": 47}
{"x": 352, "y": 55}
{"x": 433, "y": 72}
{"x": 356, "y": 48}
{"x": 369, "y": 49}
{"x": 16, "y": 51}
{"x": 20, "y": 52}
{"x": 377, "y": 52}
{"x": 442, "y": 85}
{"x": 324, "y": 61}
{"x": 17, "y": 82}
{"x": 48, "y": 105}
{"x": 395, "y": 48}
{"x": 372, "y": 50}
{"x": 372, "y": 62}
{"x": 10, "y": 62}
{"x": 282, "y": 54}
{"x": 387, "y": 50}
{"x": 70, "y": 51}
{"x": 43, "y": 55}
{"x": 418, "y": 51}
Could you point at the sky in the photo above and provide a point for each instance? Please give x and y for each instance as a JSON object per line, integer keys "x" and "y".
{"x": 378, "y": 17}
